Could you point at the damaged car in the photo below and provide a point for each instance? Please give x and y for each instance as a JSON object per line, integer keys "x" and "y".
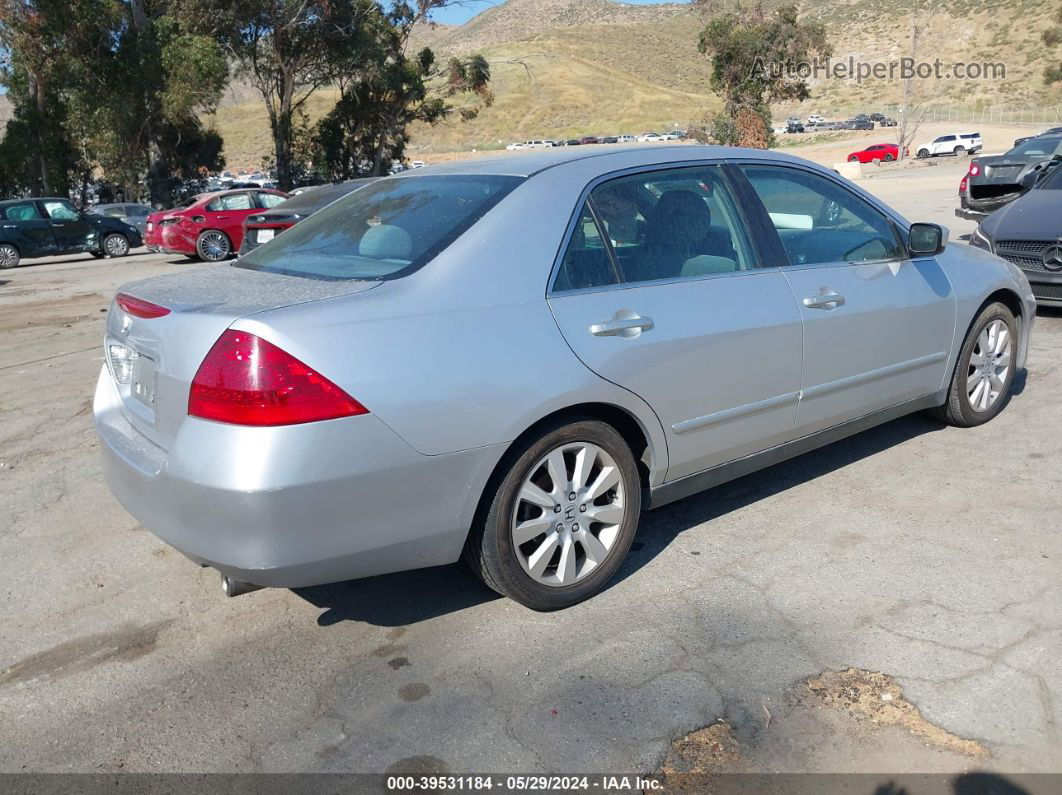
{"x": 995, "y": 181}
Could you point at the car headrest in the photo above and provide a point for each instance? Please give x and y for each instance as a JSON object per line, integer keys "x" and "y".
{"x": 386, "y": 242}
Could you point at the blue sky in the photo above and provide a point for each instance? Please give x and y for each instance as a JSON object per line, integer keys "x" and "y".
{"x": 466, "y": 9}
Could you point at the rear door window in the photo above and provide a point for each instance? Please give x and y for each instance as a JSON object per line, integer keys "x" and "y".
{"x": 26, "y": 211}
{"x": 269, "y": 200}
{"x": 383, "y": 231}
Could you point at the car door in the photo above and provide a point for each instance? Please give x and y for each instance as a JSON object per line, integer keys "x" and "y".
{"x": 25, "y": 225}
{"x": 663, "y": 290}
{"x": 878, "y": 325}
{"x": 228, "y": 212}
{"x": 943, "y": 144}
{"x": 72, "y": 231}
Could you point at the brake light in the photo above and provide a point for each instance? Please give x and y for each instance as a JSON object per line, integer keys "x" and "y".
{"x": 138, "y": 307}
{"x": 245, "y": 380}
{"x": 962, "y": 185}
{"x": 974, "y": 169}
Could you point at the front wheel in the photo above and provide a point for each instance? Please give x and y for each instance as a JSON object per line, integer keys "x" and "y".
{"x": 558, "y": 524}
{"x": 213, "y": 246}
{"x": 853, "y": 159}
{"x": 9, "y": 256}
{"x": 985, "y": 370}
{"x": 115, "y": 245}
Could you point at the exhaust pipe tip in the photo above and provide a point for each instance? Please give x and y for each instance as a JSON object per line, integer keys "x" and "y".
{"x": 231, "y": 587}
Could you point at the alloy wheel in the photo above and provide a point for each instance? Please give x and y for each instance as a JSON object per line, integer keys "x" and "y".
{"x": 8, "y": 256}
{"x": 989, "y": 366}
{"x": 214, "y": 246}
{"x": 568, "y": 514}
{"x": 115, "y": 246}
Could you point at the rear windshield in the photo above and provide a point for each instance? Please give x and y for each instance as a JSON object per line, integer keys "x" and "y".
{"x": 1046, "y": 146}
{"x": 384, "y": 231}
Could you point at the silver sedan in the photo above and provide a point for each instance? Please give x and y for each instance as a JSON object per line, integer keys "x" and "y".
{"x": 509, "y": 359}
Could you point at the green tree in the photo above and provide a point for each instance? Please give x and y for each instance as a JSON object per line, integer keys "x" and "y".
{"x": 289, "y": 49}
{"x": 369, "y": 127}
{"x": 754, "y": 54}
{"x": 39, "y": 156}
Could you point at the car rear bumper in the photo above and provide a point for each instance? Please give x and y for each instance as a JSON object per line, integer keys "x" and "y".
{"x": 971, "y": 215}
{"x": 297, "y": 505}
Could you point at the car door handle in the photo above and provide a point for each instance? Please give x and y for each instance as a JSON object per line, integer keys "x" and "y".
{"x": 623, "y": 325}
{"x": 825, "y": 299}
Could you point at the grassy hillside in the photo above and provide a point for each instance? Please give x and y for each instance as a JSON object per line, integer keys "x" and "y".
{"x": 574, "y": 67}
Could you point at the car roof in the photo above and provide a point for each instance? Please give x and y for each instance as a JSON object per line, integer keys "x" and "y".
{"x": 34, "y": 199}
{"x": 528, "y": 163}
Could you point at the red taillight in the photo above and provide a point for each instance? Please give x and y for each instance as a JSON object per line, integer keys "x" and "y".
{"x": 962, "y": 185}
{"x": 138, "y": 307}
{"x": 246, "y": 380}
{"x": 974, "y": 169}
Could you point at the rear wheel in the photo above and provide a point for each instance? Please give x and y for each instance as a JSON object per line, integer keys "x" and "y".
{"x": 985, "y": 370}
{"x": 959, "y": 151}
{"x": 9, "y": 256}
{"x": 557, "y": 525}
{"x": 115, "y": 245}
{"x": 923, "y": 154}
{"x": 213, "y": 246}
{"x": 889, "y": 158}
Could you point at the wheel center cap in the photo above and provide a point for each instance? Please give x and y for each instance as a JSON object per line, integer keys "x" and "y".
{"x": 570, "y": 513}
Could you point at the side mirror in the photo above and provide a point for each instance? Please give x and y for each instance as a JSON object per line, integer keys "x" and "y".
{"x": 927, "y": 239}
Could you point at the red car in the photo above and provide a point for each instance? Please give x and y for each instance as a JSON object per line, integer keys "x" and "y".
{"x": 210, "y": 228}
{"x": 876, "y": 152}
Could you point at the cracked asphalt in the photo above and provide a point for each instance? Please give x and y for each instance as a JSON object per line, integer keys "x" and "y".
{"x": 931, "y": 555}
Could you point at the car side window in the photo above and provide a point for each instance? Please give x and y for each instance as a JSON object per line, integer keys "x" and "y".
{"x": 22, "y": 212}
{"x": 60, "y": 211}
{"x": 139, "y": 211}
{"x": 117, "y": 211}
{"x": 819, "y": 221}
{"x": 237, "y": 201}
{"x": 586, "y": 262}
{"x": 267, "y": 200}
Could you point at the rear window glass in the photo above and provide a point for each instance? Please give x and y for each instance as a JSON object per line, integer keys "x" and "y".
{"x": 1034, "y": 147}
{"x": 383, "y": 231}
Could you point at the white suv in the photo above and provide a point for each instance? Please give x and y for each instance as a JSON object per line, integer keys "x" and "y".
{"x": 958, "y": 144}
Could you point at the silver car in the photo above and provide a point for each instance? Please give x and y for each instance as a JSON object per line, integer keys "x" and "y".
{"x": 508, "y": 359}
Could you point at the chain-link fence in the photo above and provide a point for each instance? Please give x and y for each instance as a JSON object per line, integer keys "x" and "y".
{"x": 996, "y": 114}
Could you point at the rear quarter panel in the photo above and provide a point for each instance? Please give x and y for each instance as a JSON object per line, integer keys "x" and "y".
{"x": 464, "y": 353}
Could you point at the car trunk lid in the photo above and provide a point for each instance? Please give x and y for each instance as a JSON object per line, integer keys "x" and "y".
{"x": 159, "y": 356}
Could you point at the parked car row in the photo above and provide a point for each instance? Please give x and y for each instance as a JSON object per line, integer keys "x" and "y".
{"x": 549, "y": 143}
{"x": 817, "y": 123}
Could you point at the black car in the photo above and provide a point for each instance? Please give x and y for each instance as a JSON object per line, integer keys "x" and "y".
{"x": 993, "y": 182}
{"x": 1052, "y": 131}
{"x": 794, "y": 127}
{"x": 1028, "y": 232}
{"x": 887, "y": 122}
{"x": 264, "y": 226}
{"x": 859, "y": 124}
{"x": 877, "y": 117}
{"x": 46, "y": 226}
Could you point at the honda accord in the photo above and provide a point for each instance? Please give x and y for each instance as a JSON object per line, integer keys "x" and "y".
{"x": 509, "y": 359}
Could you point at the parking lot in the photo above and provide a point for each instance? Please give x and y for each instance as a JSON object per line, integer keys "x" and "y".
{"x": 931, "y": 556}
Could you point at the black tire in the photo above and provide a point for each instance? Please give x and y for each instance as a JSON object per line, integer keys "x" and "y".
{"x": 213, "y": 245}
{"x": 889, "y": 158}
{"x": 923, "y": 154}
{"x": 958, "y": 409}
{"x": 114, "y": 245}
{"x": 959, "y": 151}
{"x": 9, "y": 256}
{"x": 853, "y": 159}
{"x": 490, "y": 551}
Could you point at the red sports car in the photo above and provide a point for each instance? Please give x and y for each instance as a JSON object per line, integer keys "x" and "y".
{"x": 210, "y": 227}
{"x": 876, "y": 152}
